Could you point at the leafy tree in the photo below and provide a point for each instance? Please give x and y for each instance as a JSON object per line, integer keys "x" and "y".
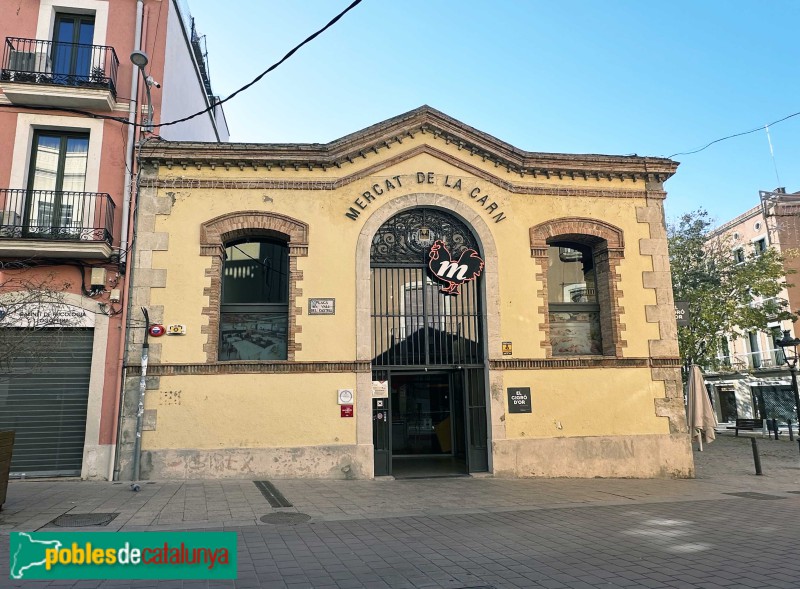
{"x": 724, "y": 296}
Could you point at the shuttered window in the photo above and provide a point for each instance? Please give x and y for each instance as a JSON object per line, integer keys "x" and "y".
{"x": 43, "y": 397}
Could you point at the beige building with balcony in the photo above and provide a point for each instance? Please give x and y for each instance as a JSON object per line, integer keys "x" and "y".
{"x": 749, "y": 379}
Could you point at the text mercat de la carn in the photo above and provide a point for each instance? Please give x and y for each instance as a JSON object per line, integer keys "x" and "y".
{"x": 382, "y": 187}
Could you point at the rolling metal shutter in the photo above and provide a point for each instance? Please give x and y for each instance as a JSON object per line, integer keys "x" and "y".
{"x": 43, "y": 398}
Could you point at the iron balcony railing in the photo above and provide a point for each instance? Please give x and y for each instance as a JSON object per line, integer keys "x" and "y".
{"x": 743, "y": 362}
{"x": 64, "y": 64}
{"x": 57, "y": 215}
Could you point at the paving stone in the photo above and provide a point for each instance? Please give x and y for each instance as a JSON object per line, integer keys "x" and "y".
{"x": 472, "y": 532}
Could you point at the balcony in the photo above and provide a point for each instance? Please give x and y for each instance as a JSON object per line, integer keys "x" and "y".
{"x": 73, "y": 75}
{"x": 45, "y": 223}
{"x": 764, "y": 360}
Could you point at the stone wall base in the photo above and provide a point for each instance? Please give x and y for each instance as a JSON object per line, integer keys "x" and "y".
{"x": 96, "y": 462}
{"x": 645, "y": 456}
{"x": 311, "y": 462}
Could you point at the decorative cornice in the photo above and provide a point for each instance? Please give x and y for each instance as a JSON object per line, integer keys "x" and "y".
{"x": 749, "y": 214}
{"x": 184, "y": 183}
{"x": 391, "y": 133}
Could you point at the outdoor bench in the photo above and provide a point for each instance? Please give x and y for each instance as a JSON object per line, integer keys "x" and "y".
{"x": 749, "y": 424}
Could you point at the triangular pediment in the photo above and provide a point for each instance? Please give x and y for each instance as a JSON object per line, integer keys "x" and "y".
{"x": 438, "y": 129}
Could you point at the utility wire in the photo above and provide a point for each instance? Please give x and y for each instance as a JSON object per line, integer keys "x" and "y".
{"x": 761, "y": 128}
{"x": 274, "y": 66}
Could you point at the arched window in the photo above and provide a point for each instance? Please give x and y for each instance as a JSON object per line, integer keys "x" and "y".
{"x": 579, "y": 259}
{"x": 219, "y": 238}
{"x": 254, "y": 307}
{"x": 572, "y": 300}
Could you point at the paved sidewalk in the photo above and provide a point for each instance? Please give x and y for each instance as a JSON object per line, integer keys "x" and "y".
{"x": 472, "y": 532}
{"x": 726, "y": 465}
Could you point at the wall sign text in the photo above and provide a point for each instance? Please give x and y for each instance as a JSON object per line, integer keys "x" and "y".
{"x": 322, "y": 306}
{"x": 382, "y": 187}
{"x": 519, "y": 400}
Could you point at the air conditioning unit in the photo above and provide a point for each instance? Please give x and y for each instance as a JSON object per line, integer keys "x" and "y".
{"x": 23, "y": 64}
{"x": 10, "y": 224}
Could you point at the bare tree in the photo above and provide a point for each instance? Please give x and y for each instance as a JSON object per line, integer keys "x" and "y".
{"x": 30, "y": 304}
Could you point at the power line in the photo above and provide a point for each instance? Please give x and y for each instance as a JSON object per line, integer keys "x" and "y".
{"x": 274, "y": 66}
{"x": 761, "y": 128}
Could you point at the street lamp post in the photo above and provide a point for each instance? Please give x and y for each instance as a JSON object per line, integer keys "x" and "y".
{"x": 789, "y": 345}
{"x": 140, "y": 60}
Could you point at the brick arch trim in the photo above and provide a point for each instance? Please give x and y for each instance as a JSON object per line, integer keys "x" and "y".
{"x": 579, "y": 229}
{"x": 215, "y": 232}
{"x": 219, "y": 230}
{"x": 608, "y": 244}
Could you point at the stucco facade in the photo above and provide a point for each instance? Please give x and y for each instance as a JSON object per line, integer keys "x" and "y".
{"x": 617, "y": 412}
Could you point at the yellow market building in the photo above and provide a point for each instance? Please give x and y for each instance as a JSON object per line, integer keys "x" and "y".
{"x": 415, "y": 298}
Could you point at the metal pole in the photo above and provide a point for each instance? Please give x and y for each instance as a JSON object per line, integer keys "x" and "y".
{"x": 788, "y": 342}
{"x": 793, "y": 371}
{"x": 137, "y": 442}
{"x": 756, "y": 457}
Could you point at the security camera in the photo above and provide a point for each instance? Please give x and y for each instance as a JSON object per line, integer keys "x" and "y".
{"x": 153, "y": 82}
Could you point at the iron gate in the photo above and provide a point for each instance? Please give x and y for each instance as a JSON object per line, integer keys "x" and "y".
{"x": 417, "y": 326}
{"x": 775, "y": 402}
{"x": 413, "y": 322}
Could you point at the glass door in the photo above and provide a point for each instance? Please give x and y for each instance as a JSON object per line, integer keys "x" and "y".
{"x": 73, "y": 36}
{"x": 56, "y": 182}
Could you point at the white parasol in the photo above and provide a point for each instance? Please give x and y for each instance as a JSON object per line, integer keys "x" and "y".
{"x": 700, "y": 414}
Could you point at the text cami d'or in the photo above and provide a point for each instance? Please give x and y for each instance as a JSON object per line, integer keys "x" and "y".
{"x": 386, "y": 185}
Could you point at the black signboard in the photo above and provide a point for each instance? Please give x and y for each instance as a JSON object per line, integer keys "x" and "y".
{"x": 519, "y": 400}
{"x": 682, "y": 313}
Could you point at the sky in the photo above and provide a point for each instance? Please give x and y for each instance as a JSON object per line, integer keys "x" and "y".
{"x": 614, "y": 77}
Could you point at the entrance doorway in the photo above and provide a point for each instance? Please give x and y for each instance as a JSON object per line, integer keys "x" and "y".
{"x": 428, "y": 351}
{"x": 427, "y": 426}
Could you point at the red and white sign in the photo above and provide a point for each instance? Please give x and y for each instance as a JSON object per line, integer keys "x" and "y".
{"x": 156, "y": 330}
{"x": 347, "y": 410}
{"x": 452, "y": 272}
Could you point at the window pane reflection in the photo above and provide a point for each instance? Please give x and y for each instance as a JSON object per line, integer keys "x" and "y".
{"x": 575, "y": 333}
{"x": 574, "y": 311}
{"x": 253, "y": 336}
{"x": 571, "y": 275}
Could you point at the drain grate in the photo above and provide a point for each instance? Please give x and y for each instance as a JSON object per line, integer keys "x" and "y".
{"x": 271, "y": 494}
{"x": 83, "y": 520}
{"x": 284, "y": 518}
{"x": 750, "y": 495}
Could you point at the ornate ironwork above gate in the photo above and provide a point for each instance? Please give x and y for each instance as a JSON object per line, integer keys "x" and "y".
{"x": 414, "y": 323}
{"x": 406, "y": 237}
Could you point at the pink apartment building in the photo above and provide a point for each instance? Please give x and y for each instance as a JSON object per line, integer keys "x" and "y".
{"x": 68, "y": 93}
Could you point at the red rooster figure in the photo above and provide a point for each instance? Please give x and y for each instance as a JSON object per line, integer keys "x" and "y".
{"x": 454, "y": 273}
